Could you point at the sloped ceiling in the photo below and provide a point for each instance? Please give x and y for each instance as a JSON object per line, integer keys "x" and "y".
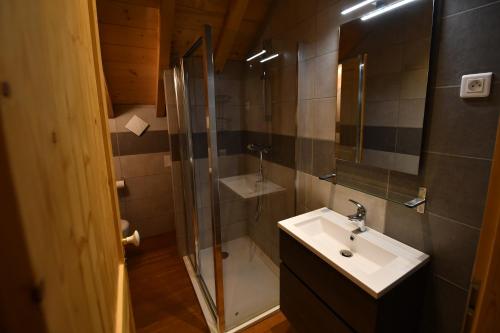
{"x": 130, "y": 39}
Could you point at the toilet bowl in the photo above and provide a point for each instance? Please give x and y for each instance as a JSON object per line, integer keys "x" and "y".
{"x": 125, "y": 226}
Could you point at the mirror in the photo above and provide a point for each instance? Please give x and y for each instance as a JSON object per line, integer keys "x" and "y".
{"x": 382, "y": 83}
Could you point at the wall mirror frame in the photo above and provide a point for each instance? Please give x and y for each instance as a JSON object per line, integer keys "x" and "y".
{"x": 383, "y": 75}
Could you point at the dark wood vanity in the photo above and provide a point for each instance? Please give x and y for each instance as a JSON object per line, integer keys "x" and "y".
{"x": 315, "y": 297}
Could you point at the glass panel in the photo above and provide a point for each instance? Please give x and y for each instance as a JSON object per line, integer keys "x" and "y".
{"x": 380, "y": 154}
{"x": 191, "y": 97}
{"x": 256, "y": 167}
{"x": 187, "y": 171}
{"x": 195, "y": 83}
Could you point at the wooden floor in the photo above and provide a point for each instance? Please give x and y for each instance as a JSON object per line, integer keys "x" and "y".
{"x": 163, "y": 298}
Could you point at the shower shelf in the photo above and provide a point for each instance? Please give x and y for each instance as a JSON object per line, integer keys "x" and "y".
{"x": 248, "y": 186}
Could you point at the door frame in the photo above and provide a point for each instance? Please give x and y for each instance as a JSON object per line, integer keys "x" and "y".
{"x": 483, "y": 309}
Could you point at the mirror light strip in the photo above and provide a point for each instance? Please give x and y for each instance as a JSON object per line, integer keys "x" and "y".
{"x": 355, "y": 7}
{"x": 385, "y": 9}
{"x": 256, "y": 55}
{"x": 270, "y": 57}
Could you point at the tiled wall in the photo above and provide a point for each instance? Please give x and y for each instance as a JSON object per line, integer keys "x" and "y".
{"x": 459, "y": 136}
{"x": 270, "y": 93}
{"x": 458, "y": 140}
{"x": 144, "y": 163}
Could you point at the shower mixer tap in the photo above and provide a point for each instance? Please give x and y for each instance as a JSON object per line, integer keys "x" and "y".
{"x": 261, "y": 149}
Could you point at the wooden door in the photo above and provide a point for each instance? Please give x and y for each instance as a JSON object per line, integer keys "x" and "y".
{"x": 60, "y": 243}
{"x": 483, "y": 309}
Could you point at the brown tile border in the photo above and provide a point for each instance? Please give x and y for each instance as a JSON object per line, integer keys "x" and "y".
{"x": 124, "y": 143}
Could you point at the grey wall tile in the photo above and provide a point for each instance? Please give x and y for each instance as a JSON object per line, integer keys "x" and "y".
{"x": 114, "y": 144}
{"x": 325, "y": 78}
{"x": 383, "y": 113}
{"x": 148, "y": 186}
{"x": 307, "y": 70}
{"x": 149, "y": 142}
{"x": 234, "y": 230}
{"x": 144, "y": 164}
{"x": 411, "y": 113}
{"x": 364, "y": 178}
{"x": 444, "y": 307}
{"x": 154, "y": 226}
{"x": 456, "y": 186}
{"x": 409, "y": 141}
{"x": 117, "y": 167}
{"x": 384, "y": 87}
{"x": 379, "y": 138}
{"x": 306, "y": 37}
{"x": 304, "y": 154}
{"x": 465, "y": 48}
{"x": 327, "y": 31}
{"x": 323, "y": 157}
{"x": 408, "y": 226}
{"x": 378, "y": 158}
{"x": 145, "y": 112}
{"x": 451, "y": 7}
{"x": 414, "y": 84}
{"x": 402, "y": 186}
{"x": 416, "y": 54}
{"x": 451, "y": 245}
{"x": 453, "y": 249}
{"x": 406, "y": 163}
{"x": 463, "y": 127}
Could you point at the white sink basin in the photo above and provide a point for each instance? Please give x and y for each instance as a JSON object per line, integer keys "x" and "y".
{"x": 378, "y": 262}
{"x": 248, "y": 186}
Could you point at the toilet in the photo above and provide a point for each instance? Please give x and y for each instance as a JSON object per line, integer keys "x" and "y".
{"x": 125, "y": 226}
{"x": 134, "y": 239}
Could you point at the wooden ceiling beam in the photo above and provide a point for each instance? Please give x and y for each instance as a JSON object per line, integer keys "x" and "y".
{"x": 232, "y": 22}
{"x": 166, "y": 31}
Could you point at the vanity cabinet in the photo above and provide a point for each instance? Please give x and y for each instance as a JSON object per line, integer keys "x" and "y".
{"x": 315, "y": 297}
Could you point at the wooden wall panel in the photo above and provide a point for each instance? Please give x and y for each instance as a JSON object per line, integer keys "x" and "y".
{"x": 128, "y": 55}
{"x": 134, "y": 16}
{"x": 57, "y": 150}
{"x": 126, "y": 36}
{"x": 131, "y": 33}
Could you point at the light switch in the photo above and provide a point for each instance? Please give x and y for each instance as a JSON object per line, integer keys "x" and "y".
{"x": 136, "y": 125}
{"x": 476, "y": 85}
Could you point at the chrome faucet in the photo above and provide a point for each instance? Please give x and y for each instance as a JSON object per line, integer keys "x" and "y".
{"x": 261, "y": 149}
{"x": 360, "y": 216}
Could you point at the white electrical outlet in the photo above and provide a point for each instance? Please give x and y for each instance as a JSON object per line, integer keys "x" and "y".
{"x": 476, "y": 85}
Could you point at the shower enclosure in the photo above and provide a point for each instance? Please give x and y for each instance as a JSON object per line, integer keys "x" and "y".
{"x": 235, "y": 183}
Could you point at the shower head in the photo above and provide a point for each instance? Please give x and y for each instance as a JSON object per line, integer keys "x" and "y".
{"x": 259, "y": 148}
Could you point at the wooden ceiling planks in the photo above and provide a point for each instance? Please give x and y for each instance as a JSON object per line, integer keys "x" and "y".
{"x": 232, "y": 24}
{"x": 166, "y": 27}
{"x": 129, "y": 48}
{"x": 192, "y": 15}
{"x": 132, "y": 40}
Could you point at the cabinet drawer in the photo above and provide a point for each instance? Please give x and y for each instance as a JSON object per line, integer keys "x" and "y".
{"x": 339, "y": 293}
{"x": 304, "y": 310}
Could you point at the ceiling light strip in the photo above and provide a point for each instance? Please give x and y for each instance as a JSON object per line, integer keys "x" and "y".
{"x": 385, "y": 9}
{"x": 256, "y": 55}
{"x": 270, "y": 57}
{"x": 356, "y": 7}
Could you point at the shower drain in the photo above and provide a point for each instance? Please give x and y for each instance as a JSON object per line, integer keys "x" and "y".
{"x": 225, "y": 254}
{"x": 346, "y": 253}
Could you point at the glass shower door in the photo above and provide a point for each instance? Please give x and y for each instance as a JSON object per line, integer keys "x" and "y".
{"x": 195, "y": 93}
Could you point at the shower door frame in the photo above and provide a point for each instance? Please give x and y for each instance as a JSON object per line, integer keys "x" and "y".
{"x": 213, "y": 169}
